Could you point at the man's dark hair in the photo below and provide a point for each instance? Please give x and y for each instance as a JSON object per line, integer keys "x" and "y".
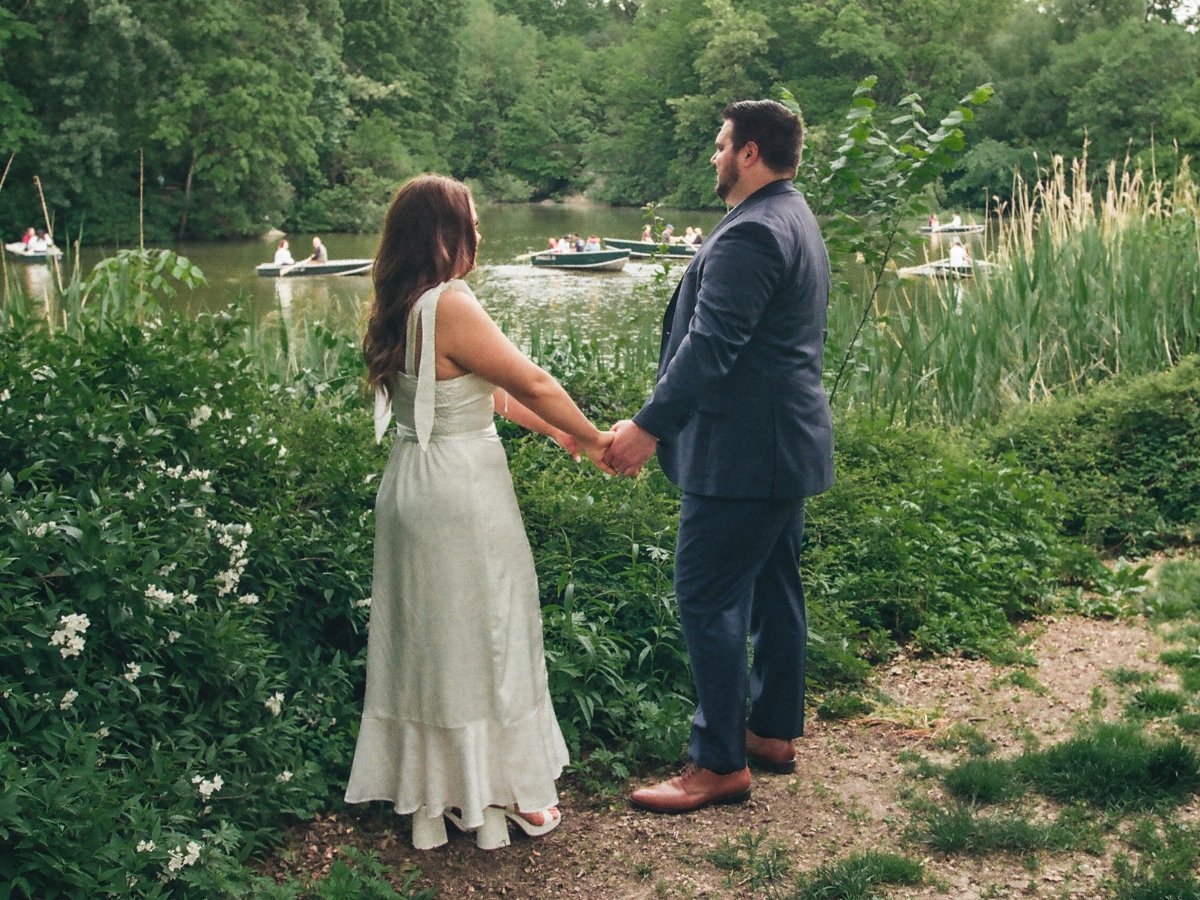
{"x": 777, "y": 132}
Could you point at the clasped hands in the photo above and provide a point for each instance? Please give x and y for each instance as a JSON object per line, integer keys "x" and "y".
{"x": 620, "y": 451}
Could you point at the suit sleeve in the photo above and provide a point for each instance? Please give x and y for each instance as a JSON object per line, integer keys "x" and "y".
{"x": 741, "y": 272}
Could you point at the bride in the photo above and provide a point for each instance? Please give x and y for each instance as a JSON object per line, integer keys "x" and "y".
{"x": 457, "y": 719}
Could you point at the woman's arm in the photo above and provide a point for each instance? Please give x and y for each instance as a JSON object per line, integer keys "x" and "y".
{"x": 516, "y": 411}
{"x": 470, "y": 341}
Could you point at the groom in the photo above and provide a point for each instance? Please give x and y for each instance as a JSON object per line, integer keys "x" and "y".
{"x": 740, "y": 421}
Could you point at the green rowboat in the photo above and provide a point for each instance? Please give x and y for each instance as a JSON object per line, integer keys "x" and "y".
{"x": 593, "y": 261}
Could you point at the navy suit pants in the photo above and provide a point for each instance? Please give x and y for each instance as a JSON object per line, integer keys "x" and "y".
{"x": 737, "y": 575}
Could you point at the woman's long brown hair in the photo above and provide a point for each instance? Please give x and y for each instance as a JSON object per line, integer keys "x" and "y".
{"x": 428, "y": 238}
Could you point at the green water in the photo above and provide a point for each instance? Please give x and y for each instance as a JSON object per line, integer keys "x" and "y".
{"x": 514, "y": 292}
{"x": 598, "y": 305}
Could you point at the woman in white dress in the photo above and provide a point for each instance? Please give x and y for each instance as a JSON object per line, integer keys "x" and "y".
{"x": 457, "y": 718}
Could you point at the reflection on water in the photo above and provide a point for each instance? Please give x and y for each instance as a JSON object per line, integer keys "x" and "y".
{"x": 36, "y": 280}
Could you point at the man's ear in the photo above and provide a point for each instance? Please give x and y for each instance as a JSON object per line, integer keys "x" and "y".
{"x": 749, "y": 152}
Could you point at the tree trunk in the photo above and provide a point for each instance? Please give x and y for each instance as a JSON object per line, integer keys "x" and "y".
{"x": 187, "y": 196}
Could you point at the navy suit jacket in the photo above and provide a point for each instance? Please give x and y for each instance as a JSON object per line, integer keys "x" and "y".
{"x": 739, "y": 409}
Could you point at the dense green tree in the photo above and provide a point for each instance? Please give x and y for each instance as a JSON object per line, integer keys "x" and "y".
{"x": 310, "y": 113}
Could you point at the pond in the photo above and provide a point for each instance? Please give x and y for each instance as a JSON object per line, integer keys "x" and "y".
{"x": 520, "y": 297}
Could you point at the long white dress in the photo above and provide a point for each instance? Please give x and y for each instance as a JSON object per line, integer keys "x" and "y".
{"x": 457, "y": 710}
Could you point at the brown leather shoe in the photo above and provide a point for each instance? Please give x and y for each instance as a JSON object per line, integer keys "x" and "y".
{"x": 773, "y": 754}
{"x": 694, "y": 788}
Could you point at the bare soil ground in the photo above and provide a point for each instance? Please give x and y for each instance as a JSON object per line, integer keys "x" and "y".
{"x": 848, "y": 794}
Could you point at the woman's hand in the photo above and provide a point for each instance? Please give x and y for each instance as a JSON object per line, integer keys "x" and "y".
{"x": 597, "y": 447}
{"x": 570, "y": 444}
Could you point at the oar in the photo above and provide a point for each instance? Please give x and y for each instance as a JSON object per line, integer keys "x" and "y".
{"x": 286, "y": 270}
{"x": 524, "y": 257}
{"x": 361, "y": 270}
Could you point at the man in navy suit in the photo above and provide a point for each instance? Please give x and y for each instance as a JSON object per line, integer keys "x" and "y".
{"x": 740, "y": 421}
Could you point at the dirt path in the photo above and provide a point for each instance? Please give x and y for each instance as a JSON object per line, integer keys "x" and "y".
{"x": 848, "y": 794}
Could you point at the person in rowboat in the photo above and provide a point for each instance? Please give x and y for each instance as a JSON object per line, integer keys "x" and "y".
{"x": 283, "y": 255}
{"x": 592, "y": 245}
{"x": 29, "y": 235}
{"x": 647, "y": 234}
{"x": 956, "y": 222}
{"x": 320, "y": 254}
{"x": 960, "y": 257}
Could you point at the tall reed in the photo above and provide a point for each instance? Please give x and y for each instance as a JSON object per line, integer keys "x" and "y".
{"x": 1082, "y": 288}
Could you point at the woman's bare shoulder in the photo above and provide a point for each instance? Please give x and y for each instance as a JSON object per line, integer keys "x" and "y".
{"x": 459, "y": 303}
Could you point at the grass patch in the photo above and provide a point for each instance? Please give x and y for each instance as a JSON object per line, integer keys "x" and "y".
{"x": 1022, "y": 679}
{"x": 1116, "y": 766}
{"x": 978, "y": 780}
{"x": 1163, "y": 871}
{"x": 960, "y": 735}
{"x": 1155, "y": 703}
{"x": 1177, "y": 592}
{"x": 858, "y": 876}
{"x": 959, "y": 830}
{"x": 1123, "y": 677}
{"x": 842, "y": 706}
{"x": 917, "y": 765}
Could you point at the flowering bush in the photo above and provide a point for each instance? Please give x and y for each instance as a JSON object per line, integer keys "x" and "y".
{"x": 180, "y": 611}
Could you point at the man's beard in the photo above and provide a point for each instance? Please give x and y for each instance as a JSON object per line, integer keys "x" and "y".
{"x": 727, "y": 180}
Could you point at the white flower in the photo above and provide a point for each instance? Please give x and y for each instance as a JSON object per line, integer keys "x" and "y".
{"x": 68, "y": 698}
{"x": 119, "y": 443}
{"x": 207, "y": 788}
{"x": 4, "y": 396}
{"x": 178, "y": 859}
{"x": 284, "y": 777}
{"x": 133, "y": 670}
{"x": 41, "y": 528}
{"x": 199, "y": 512}
{"x": 225, "y": 414}
{"x": 275, "y": 704}
{"x": 168, "y": 569}
{"x": 658, "y": 554}
{"x": 248, "y": 599}
{"x": 365, "y": 601}
{"x": 159, "y": 596}
{"x": 227, "y": 581}
{"x": 42, "y": 373}
{"x": 202, "y": 415}
{"x": 282, "y": 452}
{"x": 102, "y": 733}
{"x": 130, "y": 495}
{"x": 68, "y": 636}
{"x": 272, "y": 442}
{"x": 141, "y": 485}
{"x": 145, "y": 847}
{"x": 189, "y": 598}
{"x": 173, "y": 636}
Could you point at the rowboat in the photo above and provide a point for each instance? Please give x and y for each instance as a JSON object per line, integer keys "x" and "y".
{"x": 20, "y": 251}
{"x": 943, "y": 268}
{"x": 593, "y": 261}
{"x": 333, "y": 267}
{"x": 952, "y": 229}
{"x": 645, "y": 249}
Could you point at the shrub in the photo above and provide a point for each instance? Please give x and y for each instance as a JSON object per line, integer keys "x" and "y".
{"x": 180, "y": 612}
{"x": 1126, "y": 454}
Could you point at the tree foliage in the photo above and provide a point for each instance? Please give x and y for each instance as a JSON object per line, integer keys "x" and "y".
{"x": 308, "y": 115}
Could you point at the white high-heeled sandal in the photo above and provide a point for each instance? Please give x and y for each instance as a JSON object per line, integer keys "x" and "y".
{"x": 549, "y": 822}
{"x": 427, "y": 832}
{"x": 492, "y": 834}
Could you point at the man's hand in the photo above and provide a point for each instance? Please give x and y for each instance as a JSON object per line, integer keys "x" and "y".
{"x": 630, "y": 449}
